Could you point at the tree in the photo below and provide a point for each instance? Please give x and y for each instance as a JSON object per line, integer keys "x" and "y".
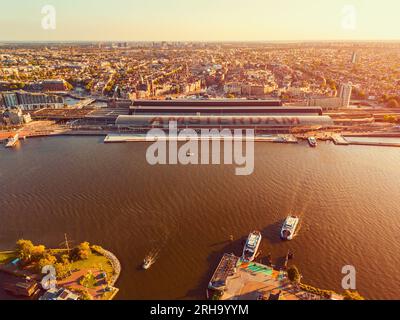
{"x": 68, "y": 86}
{"x": 390, "y": 118}
{"x": 361, "y": 94}
{"x": 82, "y": 251}
{"x": 38, "y": 252}
{"x": 384, "y": 98}
{"x": 393, "y": 103}
{"x": 65, "y": 259}
{"x": 25, "y": 249}
{"x": 294, "y": 274}
{"x": 88, "y": 280}
{"x": 352, "y": 295}
{"x": 86, "y": 295}
{"x": 47, "y": 260}
{"x": 62, "y": 270}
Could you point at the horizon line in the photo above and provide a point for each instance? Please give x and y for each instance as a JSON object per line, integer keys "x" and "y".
{"x": 201, "y": 41}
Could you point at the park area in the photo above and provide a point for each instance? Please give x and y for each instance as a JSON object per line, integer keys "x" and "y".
{"x": 85, "y": 270}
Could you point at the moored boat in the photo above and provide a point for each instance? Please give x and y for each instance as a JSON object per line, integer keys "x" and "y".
{"x": 289, "y": 227}
{"x": 251, "y": 247}
{"x": 312, "y": 141}
{"x": 12, "y": 141}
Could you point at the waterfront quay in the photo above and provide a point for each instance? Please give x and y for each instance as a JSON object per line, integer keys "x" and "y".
{"x": 270, "y": 120}
{"x": 138, "y": 137}
{"x": 235, "y": 279}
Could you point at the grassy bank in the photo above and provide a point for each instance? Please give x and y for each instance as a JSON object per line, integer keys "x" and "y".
{"x": 94, "y": 261}
{"x": 90, "y": 271}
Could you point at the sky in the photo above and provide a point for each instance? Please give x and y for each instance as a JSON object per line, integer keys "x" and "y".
{"x": 201, "y": 20}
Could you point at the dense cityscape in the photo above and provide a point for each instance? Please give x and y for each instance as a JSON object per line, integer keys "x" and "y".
{"x": 155, "y": 70}
{"x": 357, "y": 84}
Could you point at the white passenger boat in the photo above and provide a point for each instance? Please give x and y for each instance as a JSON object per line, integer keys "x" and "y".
{"x": 289, "y": 227}
{"x": 252, "y": 244}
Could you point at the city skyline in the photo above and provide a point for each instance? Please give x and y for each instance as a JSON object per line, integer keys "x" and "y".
{"x": 221, "y": 20}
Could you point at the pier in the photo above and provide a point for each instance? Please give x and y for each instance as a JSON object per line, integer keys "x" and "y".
{"x": 339, "y": 140}
{"x": 235, "y": 279}
{"x": 375, "y": 144}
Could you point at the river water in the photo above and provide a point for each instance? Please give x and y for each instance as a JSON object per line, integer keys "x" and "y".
{"x": 109, "y": 195}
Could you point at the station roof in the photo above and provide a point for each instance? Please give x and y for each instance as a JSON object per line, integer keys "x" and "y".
{"x": 223, "y": 120}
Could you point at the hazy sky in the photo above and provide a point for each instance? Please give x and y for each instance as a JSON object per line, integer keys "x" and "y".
{"x": 202, "y": 20}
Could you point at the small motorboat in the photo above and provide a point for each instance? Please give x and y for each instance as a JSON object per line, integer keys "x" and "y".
{"x": 312, "y": 141}
{"x": 148, "y": 262}
{"x": 189, "y": 154}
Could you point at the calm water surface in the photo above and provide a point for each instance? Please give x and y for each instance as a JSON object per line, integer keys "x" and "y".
{"x": 109, "y": 195}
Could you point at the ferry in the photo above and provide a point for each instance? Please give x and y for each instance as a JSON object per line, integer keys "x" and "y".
{"x": 252, "y": 244}
{"x": 312, "y": 142}
{"x": 289, "y": 227}
{"x": 12, "y": 141}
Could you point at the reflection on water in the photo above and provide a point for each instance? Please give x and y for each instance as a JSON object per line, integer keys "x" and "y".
{"x": 107, "y": 194}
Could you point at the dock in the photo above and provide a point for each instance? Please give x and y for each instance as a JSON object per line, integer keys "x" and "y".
{"x": 235, "y": 279}
{"x": 339, "y": 140}
{"x": 226, "y": 268}
{"x": 12, "y": 141}
{"x": 375, "y": 144}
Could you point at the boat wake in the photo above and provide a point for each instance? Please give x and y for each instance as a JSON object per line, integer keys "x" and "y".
{"x": 299, "y": 226}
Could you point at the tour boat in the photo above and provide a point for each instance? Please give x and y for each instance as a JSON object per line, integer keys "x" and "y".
{"x": 312, "y": 142}
{"x": 252, "y": 244}
{"x": 289, "y": 227}
{"x": 12, "y": 141}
